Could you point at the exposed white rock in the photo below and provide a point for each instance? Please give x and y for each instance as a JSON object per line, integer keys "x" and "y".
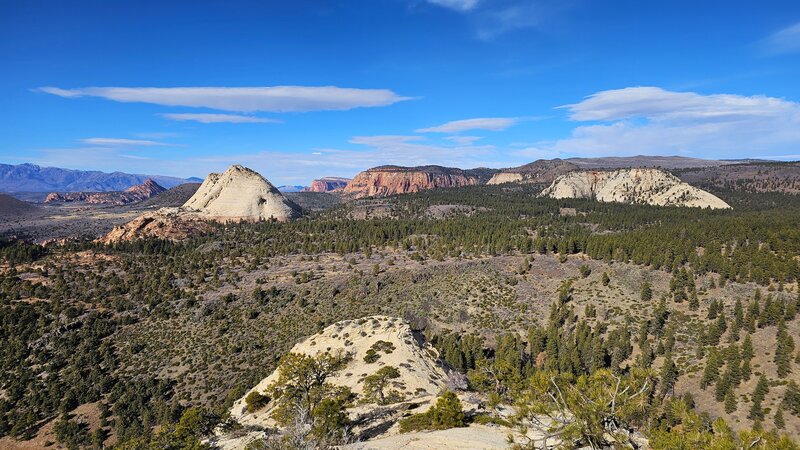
{"x": 635, "y": 186}
{"x": 505, "y": 177}
{"x": 421, "y": 374}
{"x": 240, "y": 193}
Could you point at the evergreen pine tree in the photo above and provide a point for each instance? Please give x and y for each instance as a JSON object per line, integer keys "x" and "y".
{"x": 730, "y": 401}
{"x": 791, "y": 398}
{"x": 756, "y": 411}
{"x": 711, "y": 372}
{"x": 669, "y": 375}
{"x": 778, "y": 419}
{"x": 784, "y": 348}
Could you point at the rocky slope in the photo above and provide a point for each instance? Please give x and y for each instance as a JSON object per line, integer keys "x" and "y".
{"x": 328, "y": 184}
{"x": 539, "y": 171}
{"x": 422, "y": 377}
{"x": 636, "y": 186}
{"x": 238, "y": 194}
{"x": 751, "y": 177}
{"x": 166, "y": 223}
{"x": 173, "y": 197}
{"x": 11, "y": 208}
{"x": 384, "y": 181}
{"x": 133, "y": 194}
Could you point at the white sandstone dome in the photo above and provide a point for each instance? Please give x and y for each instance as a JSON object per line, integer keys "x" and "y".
{"x": 240, "y": 193}
{"x": 634, "y": 186}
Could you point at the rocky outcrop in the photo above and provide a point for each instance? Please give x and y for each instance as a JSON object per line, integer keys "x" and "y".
{"x": 635, "y": 186}
{"x": 328, "y": 184}
{"x": 166, "y": 223}
{"x": 133, "y": 194}
{"x": 539, "y": 171}
{"x": 238, "y": 194}
{"x": 365, "y": 346}
{"x": 392, "y": 180}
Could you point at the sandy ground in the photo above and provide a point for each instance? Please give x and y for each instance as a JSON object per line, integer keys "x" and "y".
{"x": 475, "y": 437}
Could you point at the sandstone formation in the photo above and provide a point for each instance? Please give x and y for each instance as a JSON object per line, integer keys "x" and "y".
{"x": 240, "y": 193}
{"x": 166, "y": 223}
{"x": 392, "y": 180}
{"x": 133, "y": 194}
{"x": 635, "y": 186}
{"x": 420, "y": 372}
{"x": 539, "y": 171}
{"x": 328, "y": 184}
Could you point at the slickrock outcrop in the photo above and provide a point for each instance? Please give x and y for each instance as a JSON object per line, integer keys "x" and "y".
{"x": 365, "y": 346}
{"x": 384, "y": 181}
{"x": 238, "y": 194}
{"x": 539, "y": 171}
{"x": 420, "y": 372}
{"x": 133, "y": 194}
{"x": 635, "y": 186}
{"x": 328, "y": 184}
{"x": 166, "y": 223}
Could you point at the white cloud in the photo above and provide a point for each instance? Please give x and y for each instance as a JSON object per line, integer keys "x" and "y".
{"x": 486, "y": 123}
{"x": 786, "y": 40}
{"x": 650, "y": 120}
{"x": 458, "y": 5}
{"x": 242, "y": 99}
{"x": 218, "y": 118}
{"x": 125, "y": 142}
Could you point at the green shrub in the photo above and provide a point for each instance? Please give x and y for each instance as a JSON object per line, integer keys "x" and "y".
{"x": 255, "y": 401}
{"x": 447, "y": 413}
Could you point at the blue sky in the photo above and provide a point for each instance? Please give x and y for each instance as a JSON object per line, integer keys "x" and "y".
{"x": 302, "y": 89}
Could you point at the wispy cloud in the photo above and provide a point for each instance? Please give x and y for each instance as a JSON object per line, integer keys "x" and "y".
{"x": 786, "y": 40}
{"x": 217, "y": 118}
{"x": 242, "y": 99}
{"x": 481, "y": 123}
{"x": 125, "y": 142}
{"x": 651, "y": 120}
{"x": 458, "y": 5}
{"x": 463, "y": 140}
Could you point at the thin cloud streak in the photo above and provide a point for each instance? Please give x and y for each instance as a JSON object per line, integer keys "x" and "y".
{"x": 242, "y": 99}
{"x": 126, "y": 142}
{"x": 481, "y": 123}
{"x": 786, "y": 40}
{"x": 457, "y": 5}
{"x": 217, "y": 118}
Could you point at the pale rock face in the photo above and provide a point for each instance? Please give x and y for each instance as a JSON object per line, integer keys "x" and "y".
{"x": 635, "y": 186}
{"x": 420, "y": 372}
{"x": 240, "y": 194}
{"x": 505, "y": 177}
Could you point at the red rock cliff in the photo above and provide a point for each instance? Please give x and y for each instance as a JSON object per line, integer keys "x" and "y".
{"x": 391, "y": 180}
{"x": 328, "y": 184}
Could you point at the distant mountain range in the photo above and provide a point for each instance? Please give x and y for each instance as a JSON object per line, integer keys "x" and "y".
{"x": 33, "y": 178}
